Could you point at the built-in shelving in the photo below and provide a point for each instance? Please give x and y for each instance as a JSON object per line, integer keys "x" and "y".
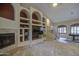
{"x": 36, "y": 21}
{"x": 21, "y": 35}
{"x": 26, "y": 33}
{"x": 24, "y": 22}
{"x": 31, "y": 25}
{"x": 24, "y": 18}
{"x": 44, "y": 26}
{"x": 24, "y": 28}
{"x": 24, "y": 25}
{"x": 36, "y": 25}
{"x": 44, "y": 22}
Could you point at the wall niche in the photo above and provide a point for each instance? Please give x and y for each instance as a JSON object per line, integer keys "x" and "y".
{"x": 24, "y": 14}
{"x": 6, "y": 11}
{"x": 36, "y": 15}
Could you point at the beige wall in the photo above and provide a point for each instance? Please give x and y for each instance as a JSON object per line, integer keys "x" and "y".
{"x": 9, "y": 24}
{"x": 49, "y": 33}
{"x": 67, "y": 23}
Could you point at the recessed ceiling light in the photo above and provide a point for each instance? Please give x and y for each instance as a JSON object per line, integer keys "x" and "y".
{"x": 55, "y": 4}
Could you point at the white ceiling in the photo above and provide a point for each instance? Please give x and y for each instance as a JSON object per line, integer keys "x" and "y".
{"x": 64, "y": 11}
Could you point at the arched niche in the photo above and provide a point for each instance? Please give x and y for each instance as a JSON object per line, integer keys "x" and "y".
{"x": 36, "y": 15}
{"x": 6, "y": 11}
{"x": 24, "y": 13}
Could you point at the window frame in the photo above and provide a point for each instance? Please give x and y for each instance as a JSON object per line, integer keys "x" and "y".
{"x": 74, "y": 26}
{"x": 62, "y": 26}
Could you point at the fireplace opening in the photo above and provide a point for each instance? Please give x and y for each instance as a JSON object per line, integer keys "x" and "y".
{"x": 7, "y": 39}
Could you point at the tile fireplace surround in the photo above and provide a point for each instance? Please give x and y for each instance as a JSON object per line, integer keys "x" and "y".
{"x": 7, "y": 39}
{"x": 8, "y": 33}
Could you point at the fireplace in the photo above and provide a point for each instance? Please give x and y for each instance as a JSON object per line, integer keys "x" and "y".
{"x": 6, "y": 39}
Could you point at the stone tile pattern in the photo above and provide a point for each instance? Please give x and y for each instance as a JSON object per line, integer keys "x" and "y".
{"x": 48, "y": 48}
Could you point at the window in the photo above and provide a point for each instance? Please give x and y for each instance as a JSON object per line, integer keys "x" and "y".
{"x": 75, "y": 29}
{"x": 62, "y": 29}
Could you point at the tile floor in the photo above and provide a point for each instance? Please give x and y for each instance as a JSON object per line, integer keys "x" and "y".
{"x": 49, "y": 48}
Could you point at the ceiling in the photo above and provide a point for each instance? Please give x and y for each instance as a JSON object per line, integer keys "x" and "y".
{"x": 63, "y": 12}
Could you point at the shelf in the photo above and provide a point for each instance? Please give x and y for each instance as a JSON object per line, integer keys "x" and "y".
{"x": 44, "y": 22}
{"x": 36, "y": 25}
{"x": 44, "y": 26}
{"x": 21, "y": 35}
{"x": 24, "y": 18}
{"x": 24, "y": 23}
{"x": 33, "y": 20}
{"x": 23, "y": 28}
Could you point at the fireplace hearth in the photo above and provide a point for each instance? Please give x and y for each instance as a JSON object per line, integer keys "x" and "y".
{"x": 6, "y": 39}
